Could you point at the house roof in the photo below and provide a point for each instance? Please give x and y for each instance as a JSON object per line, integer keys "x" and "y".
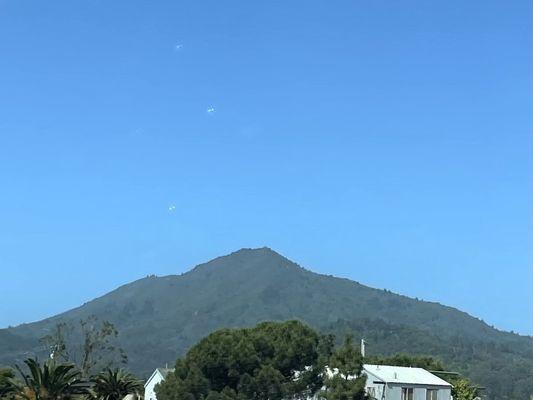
{"x": 409, "y": 375}
{"x": 161, "y": 371}
{"x": 165, "y": 371}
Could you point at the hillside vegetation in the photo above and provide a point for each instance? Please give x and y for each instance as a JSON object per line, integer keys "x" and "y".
{"x": 159, "y": 318}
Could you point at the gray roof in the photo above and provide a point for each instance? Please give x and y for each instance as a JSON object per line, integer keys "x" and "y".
{"x": 409, "y": 375}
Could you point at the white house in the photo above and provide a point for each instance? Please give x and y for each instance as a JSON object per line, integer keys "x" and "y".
{"x": 387, "y": 382}
{"x": 384, "y": 382}
{"x": 158, "y": 376}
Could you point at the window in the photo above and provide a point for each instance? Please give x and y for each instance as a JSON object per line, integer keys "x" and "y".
{"x": 407, "y": 393}
{"x": 431, "y": 394}
{"x": 371, "y": 391}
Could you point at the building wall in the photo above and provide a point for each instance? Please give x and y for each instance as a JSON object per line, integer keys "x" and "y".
{"x": 394, "y": 391}
{"x": 149, "y": 389}
{"x": 375, "y": 389}
{"x": 445, "y": 394}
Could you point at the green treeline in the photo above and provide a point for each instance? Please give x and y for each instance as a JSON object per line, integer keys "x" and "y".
{"x": 274, "y": 361}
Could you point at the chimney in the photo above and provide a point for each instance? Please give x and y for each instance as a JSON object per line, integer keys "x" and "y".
{"x": 363, "y": 347}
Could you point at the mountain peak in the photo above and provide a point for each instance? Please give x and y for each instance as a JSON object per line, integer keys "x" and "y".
{"x": 251, "y": 285}
{"x": 260, "y": 258}
{"x": 256, "y": 250}
{"x": 259, "y": 252}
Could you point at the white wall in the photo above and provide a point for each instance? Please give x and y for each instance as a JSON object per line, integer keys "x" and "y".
{"x": 394, "y": 391}
{"x": 149, "y": 392}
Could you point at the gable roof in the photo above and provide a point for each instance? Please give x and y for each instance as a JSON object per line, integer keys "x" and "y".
{"x": 163, "y": 372}
{"x": 409, "y": 375}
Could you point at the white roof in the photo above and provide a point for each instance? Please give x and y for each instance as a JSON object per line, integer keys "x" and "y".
{"x": 161, "y": 372}
{"x": 394, "y": 374}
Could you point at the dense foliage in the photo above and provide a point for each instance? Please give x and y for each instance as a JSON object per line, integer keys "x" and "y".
{"x": 8, "y": 385}
{"x": 115, "y": 384}
{"x": 270, "y": 361}
{"x": 159, "y": 318}
{"x": 504, "y": 368}
{"x": 406, "y": 360}
{"x": 343, "y": 379}
{"x": 464, "y": 390}
{"x": 54, "y": 380}
{"x": 51, "y": 381}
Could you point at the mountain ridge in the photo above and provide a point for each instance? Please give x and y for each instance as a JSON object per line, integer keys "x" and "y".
{"x": 159, "y": 318}
{"x": 201, "y": 266}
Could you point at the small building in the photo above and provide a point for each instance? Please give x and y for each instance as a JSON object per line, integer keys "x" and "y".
{"x": 384, "y": 382}
{"x": 388, "y": 382}
{"x": 158, "y": 376}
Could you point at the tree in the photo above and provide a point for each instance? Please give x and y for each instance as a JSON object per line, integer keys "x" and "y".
{"x": 269, "y": 384}
{"x": 97, "y": 343}
{"x": 8, "y": 386}
{"x": 344, "y": 379}
{"x": 51, "y": 381}
{"x": 186, "y": 383}
{"x": 115, "y": 384}
{"x": 270, "y": 361}
{"x": 464, "y": 390}
{"x": 96, "y": 349}
{"x": 407, "y": 360}
{"x": 56, "y": 342}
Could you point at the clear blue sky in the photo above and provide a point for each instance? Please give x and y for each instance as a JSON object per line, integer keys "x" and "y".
{"x": 384, "y": 141}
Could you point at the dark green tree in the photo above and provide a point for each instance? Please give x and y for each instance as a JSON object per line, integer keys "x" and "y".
{"x": 115, "y": 384}
{"x": 407, "y": 360}
{"x": 8, "y": 386}
{"x": 270, "y": 361}
{"x": 269, "y": 384}
{"x": 344, "y": 379}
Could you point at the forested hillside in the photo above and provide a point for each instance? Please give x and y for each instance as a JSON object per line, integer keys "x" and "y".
{"x": 159, "y": 318}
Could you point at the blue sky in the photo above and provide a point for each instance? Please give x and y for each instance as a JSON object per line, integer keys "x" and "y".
{"x": 384, "y": 141}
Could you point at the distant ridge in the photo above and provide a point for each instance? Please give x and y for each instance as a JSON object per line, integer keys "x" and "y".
{"x": 159, "y": 318}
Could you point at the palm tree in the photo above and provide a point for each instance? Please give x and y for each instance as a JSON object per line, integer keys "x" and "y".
{"x": 51, "y": 381}
{"x": 8, "y": 386}
{"x": 115, "y": 384}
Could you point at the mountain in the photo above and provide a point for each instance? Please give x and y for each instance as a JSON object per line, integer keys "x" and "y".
{"x": 159, "y": 318}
